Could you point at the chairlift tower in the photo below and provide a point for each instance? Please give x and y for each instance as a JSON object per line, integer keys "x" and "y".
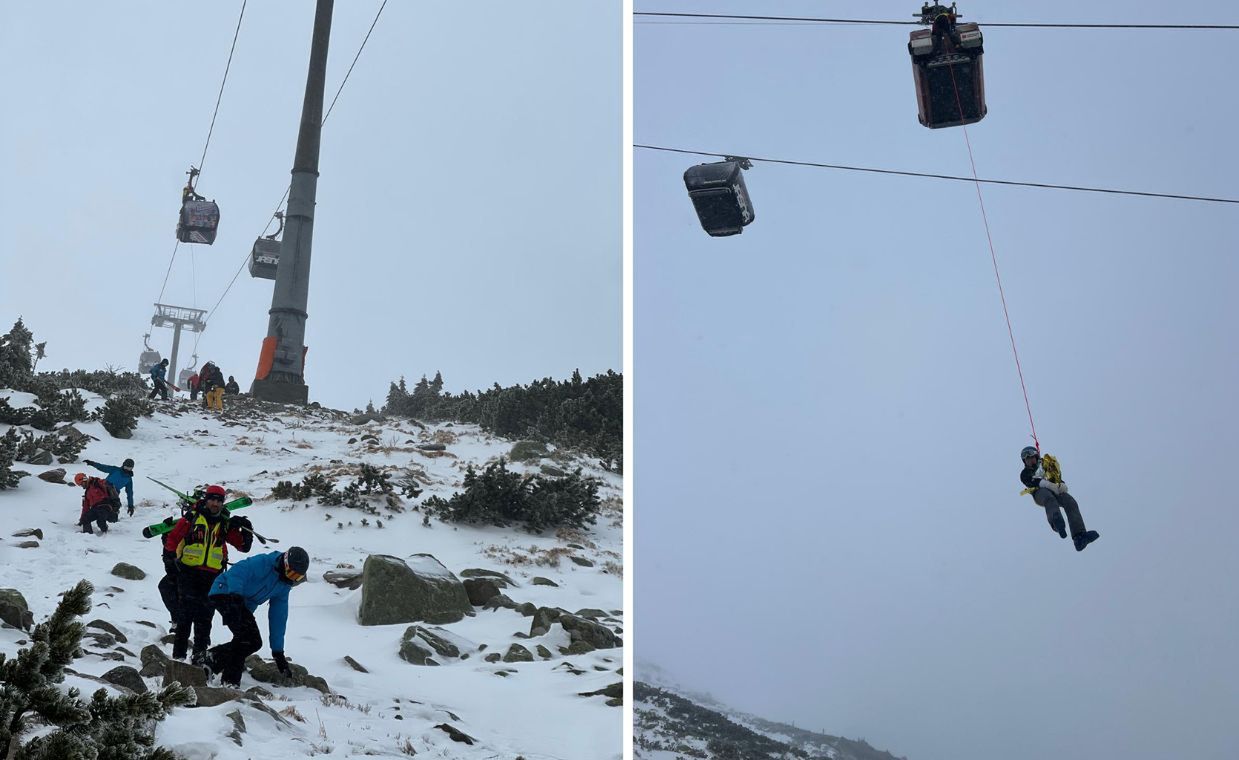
{"x": 281, "y": 363}
{"x": 178, "y": 318}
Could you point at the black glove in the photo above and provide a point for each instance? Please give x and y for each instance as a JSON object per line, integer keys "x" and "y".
{"x": 281, "y": 663}
{"x": 90, "y": 462}
{"x": 131, "y": 510}
{"x": 241, "y": 522}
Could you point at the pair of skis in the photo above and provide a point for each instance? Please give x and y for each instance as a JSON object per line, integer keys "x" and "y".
{"x": 187, "y": 501}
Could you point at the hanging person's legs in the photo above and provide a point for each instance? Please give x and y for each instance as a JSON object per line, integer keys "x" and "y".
{"x": 1053, "y": 512}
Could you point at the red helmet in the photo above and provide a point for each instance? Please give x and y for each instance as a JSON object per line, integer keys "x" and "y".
{"x": 215, "y": 491}
{"x": 80, "y": 479}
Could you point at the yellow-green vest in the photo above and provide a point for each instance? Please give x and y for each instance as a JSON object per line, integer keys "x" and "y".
{"x": 203, "y": 546}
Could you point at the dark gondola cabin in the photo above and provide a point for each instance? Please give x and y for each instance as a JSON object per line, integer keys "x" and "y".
{"x": 199, "y": 221}
{"x": 264, "y": 258}
{"x": 947, "y": 70}
{"x": 147, "y": 360}
{"x": 720, "y": 197}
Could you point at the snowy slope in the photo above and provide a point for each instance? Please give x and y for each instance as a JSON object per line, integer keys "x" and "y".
{"x": 671, "y": 721}
{"x": 532, "y": 710}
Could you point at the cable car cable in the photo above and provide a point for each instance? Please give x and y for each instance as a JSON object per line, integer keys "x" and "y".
{"x": 220, "y": 97}
{"x": 1043, "y": 185}
{"x": 207, "y": 145}
{"x": 1029, "y": 25}
{"x": 280, "y": 205}
{"x": 350, "y": 68}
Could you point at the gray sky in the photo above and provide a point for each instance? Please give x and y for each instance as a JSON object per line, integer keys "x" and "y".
{"x": 828, "y": 417}
{"x": 469, "y": 203}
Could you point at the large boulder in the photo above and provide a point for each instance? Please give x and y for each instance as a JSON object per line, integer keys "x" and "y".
{"x": 342, "y": 579}
{"x": 184, "y": 673}
{"x": 269, "y": 672}
{"x": 419, "y": 591}
{"x": 53, "y": 476}
{"x": 597, "y": 635}
{"x": 480, "y": 590}
{"x": 128, "y": 571}
{"x": 525, "y": 451}
{"x": 420, "y": 645}
{"x": 124, "y": 675}
{"x": 14, "y": 610}
{"x": 40, "y": 457}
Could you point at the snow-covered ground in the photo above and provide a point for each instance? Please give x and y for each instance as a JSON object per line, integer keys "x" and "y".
{"x": 524, "y": 709}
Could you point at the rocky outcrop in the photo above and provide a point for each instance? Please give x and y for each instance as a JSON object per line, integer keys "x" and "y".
{"x": 421, "y": 590}
{"x": 419, "y": 646}
{"x": 14, "y": 610}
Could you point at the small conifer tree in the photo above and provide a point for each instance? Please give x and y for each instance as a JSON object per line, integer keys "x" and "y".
{"x": 108, "y": 728}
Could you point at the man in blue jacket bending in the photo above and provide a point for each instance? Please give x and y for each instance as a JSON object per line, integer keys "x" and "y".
{"x": 237, "y": 592}
{"x": 121, "y": 478}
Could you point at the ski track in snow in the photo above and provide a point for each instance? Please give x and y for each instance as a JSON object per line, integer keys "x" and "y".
{"x": 534, "y": 711}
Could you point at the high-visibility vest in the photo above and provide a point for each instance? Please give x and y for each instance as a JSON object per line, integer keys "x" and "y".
{"x": 203, "y": 546}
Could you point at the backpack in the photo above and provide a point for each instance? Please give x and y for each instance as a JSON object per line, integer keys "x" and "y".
{"x": 99, "y": 491}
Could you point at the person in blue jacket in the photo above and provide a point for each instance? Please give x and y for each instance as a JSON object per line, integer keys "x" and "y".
{"x": 121, "y": 478}
{"x": 159, "y": 375}
{"x": 237, "y": 592}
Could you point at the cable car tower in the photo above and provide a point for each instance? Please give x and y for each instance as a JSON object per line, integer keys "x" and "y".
{"x": 178, "y": 318}
{"x": 281, "y": 362}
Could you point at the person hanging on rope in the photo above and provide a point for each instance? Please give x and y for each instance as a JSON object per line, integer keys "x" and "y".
{"x": 189, "y": 193}
{"x": 1043, "y": 479}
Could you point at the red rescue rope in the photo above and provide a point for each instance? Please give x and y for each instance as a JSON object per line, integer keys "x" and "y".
{"x": 994, "y": 258}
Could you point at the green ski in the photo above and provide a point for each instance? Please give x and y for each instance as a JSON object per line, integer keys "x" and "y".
{"x": 187, "y": 501}
{"x": 165, "y": 525}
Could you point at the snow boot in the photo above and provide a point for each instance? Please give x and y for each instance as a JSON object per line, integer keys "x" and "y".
{"x": 1084, "y": 539}
{"x": 198, "y": 657}
{"x": 1059, "y": 527}
{"x": 208, "y": 665}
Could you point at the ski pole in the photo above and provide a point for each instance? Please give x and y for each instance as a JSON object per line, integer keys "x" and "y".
{"x": 261, "y": 538}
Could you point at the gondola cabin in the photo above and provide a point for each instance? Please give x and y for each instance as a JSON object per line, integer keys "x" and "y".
{"x": 147, "y": 360}
{"x": 718, "y": 194}
{"x": 182, "y": 377}
{"x": 946, "y": 67}
{"x": 199, "y": 222}
{"x": 265, "y": 258}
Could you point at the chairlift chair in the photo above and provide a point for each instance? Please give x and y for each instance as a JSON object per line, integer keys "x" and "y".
{"x": 947, "y": 69}
{"x": 718, "y": 194}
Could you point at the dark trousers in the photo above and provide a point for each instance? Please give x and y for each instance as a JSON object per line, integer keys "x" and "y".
{"x": 161, "y": 388}
{"x": 1055, "y": 505}
{"x": 192, "y": 587}
{"x": 168, "y": 589}
{"x": 229, "y": 658}
{"x": 101, "y": 515}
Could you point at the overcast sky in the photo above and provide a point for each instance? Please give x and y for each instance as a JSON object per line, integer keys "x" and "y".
{"x": 828, "y": 521}
{"x": 469, "y": 203}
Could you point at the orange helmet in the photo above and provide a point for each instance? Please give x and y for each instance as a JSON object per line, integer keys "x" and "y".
{"x": 80, "y": 479}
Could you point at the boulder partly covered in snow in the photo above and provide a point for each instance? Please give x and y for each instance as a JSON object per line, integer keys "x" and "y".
{"x": 421, "y": 590}
{"x": 14, "y": 610}
{"x": 421, "y": 645}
